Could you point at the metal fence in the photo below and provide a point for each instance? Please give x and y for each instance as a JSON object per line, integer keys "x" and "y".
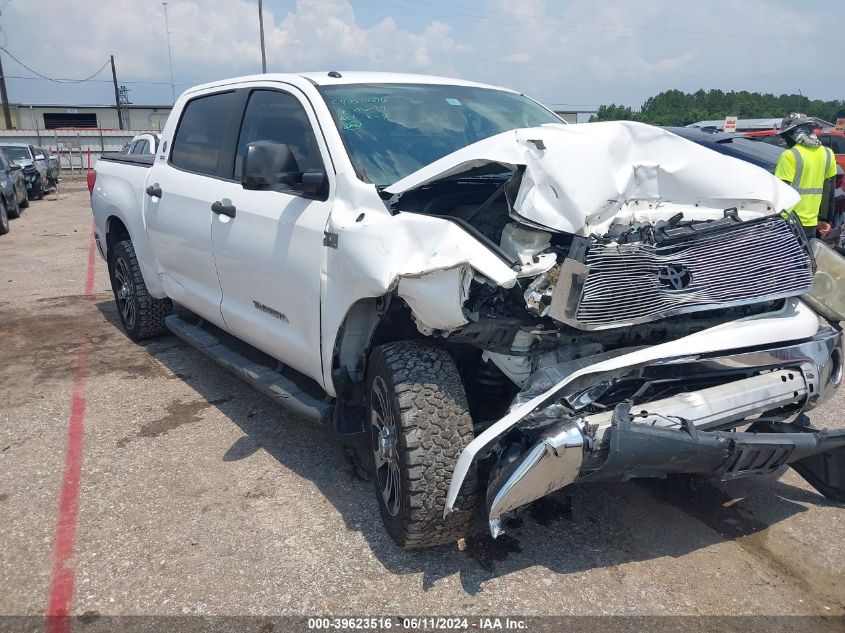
{"x": 72, "y": 146}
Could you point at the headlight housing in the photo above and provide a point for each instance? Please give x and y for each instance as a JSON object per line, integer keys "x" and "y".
{"x": 827, "y": 295}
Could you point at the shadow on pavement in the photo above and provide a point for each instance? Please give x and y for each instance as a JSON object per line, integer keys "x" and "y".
{"x": 579, "y": 529}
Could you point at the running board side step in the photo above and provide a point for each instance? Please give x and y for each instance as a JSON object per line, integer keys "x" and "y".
{"x": 269, "y": 382}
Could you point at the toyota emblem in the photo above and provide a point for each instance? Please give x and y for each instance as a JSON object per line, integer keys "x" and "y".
{"x": 675, "y": 276}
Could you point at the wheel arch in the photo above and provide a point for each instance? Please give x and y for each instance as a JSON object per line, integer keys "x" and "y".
{"x": 116, "y": 231}
{"x": 368, "y": 322}
{"x": 117, "y": 228}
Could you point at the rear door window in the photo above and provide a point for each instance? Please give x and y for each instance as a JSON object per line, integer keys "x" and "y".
{"x": 198, "y": 144}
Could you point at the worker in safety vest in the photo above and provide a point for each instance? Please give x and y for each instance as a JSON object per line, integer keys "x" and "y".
{"x": 809, "y": 168}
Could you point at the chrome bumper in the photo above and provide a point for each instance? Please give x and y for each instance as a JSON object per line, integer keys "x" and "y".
{"x": 558, "y": 458}
{"x": 551, "y": 464}
{"x": 679, "y": 434}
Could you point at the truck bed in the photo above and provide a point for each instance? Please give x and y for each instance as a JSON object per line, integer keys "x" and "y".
{"x": 140, "y": 160}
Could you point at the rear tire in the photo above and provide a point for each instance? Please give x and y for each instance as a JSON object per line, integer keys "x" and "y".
{"x": 4, "y": 219}
{"x": 419, "y": 422}
{"x": 141, "y": 315}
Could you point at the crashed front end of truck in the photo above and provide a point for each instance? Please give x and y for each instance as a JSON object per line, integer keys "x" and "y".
{"x": 663, "y": 315}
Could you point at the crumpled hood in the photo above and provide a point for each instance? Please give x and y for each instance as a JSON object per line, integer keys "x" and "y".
{"x": 580, "y": 178}
{"x": 23, "y": 162}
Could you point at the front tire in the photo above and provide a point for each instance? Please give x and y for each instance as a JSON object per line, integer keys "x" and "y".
{"x": 141, "y": 315}
{"x": 419, "y": 423}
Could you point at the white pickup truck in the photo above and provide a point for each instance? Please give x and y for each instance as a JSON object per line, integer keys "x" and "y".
{"x": 503, "y": 304}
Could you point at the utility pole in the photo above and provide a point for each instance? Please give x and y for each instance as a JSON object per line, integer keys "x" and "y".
{"x": 169, "y": 54}
{"x": 116, "y": 93}
{"x": 261, "y": 29}
{"x": 6, "y": 114}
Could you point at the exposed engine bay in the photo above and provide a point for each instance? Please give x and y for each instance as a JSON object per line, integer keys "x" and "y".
{"x": 575, "y": 346}
{"x": 642, "y": 283}
{"x": 601, "y": 236}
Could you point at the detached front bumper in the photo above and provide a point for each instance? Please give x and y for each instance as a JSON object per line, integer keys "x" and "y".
{"x": 640, "y": 450}
{"x": 691, "y": 432}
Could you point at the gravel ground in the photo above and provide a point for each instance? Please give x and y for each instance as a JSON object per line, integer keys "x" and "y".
{"x": 199, "y": 495}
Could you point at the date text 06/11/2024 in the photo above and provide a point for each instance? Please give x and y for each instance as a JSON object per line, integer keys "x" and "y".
{"x": 417, "y": 624}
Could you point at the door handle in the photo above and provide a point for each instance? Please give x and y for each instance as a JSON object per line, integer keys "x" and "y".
{"x": 223, "y": 209}
{"x": 154, "y": 191}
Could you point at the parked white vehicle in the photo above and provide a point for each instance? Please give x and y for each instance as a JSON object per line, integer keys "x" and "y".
{"x": 505, "y": 305}
{"x": 141, "y": 144}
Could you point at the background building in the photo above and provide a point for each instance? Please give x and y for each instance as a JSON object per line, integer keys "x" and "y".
{"x": 27, "y": 116}
{"x": 570, "y": 116}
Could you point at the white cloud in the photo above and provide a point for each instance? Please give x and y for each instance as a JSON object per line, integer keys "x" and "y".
{"x": 577, "y": 51}
{"x": 583, "y": 51}
{"x": 216, "y": 38}
{"x": 325, "y": 34}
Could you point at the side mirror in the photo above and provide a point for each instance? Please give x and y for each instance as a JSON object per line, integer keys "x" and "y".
{"x": 314, "y": 181}
{"x": 268, "y": 165}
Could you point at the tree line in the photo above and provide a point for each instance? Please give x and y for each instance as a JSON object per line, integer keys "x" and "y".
{"x": 673, "y": 107}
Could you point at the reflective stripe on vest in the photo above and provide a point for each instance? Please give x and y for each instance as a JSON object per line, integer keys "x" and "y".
{"x": 799, "y": 169}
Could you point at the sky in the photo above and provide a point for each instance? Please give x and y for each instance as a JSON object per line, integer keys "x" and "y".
{"x": 571, "y": 54}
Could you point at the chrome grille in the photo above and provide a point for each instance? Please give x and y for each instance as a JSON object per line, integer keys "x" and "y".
{"x": 747, "y": 263}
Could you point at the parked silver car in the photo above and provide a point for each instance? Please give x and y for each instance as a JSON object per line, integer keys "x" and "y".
{"x": 35, "y": 167}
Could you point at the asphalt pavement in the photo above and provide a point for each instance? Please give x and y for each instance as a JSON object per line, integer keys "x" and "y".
{"x": 143, "y": 479}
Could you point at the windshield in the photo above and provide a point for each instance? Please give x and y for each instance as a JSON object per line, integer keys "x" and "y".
{"x": 16, "y": 153}
{"x": 392, "y": 130}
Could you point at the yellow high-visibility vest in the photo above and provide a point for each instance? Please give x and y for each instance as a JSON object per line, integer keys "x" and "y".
{"x": 806, "y": 169}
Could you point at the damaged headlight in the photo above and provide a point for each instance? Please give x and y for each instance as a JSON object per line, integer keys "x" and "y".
{"x": 827, "y": 295}
{"x": 538, "y": 295}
